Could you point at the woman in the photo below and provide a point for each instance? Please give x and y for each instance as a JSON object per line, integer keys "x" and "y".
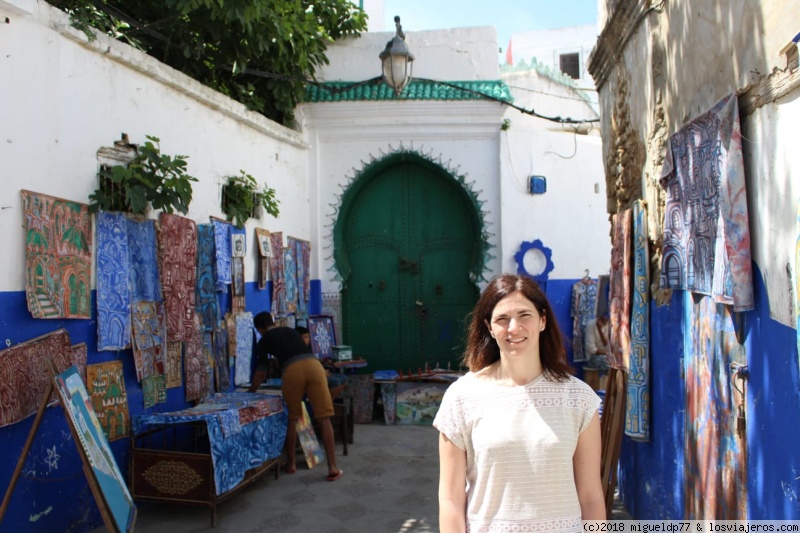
{"x": 519, "y": 444}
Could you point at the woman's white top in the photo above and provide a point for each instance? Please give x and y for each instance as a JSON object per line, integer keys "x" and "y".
{"x": 519, "y": 442}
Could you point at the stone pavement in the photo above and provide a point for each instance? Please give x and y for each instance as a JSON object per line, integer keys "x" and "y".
{"x": 389, "y": 485}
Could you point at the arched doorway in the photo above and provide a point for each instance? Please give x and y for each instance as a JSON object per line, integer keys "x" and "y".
{"x": 409, "y": 245}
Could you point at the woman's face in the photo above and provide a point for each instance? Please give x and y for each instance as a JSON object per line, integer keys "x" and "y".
{"x": 515, "y": 325}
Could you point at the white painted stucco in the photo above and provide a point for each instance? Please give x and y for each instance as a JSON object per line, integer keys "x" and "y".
{"x": 64, "y": 98}
{"x": 546, "y": 47}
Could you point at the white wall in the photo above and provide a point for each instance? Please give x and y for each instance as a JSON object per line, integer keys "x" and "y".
{"x": 64, "y": 98}
{"x": 570, "y": 218}
{"x": 546, "y": 46}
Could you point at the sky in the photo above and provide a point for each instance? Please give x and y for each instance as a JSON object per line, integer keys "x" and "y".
{"x": 508, "y": 16}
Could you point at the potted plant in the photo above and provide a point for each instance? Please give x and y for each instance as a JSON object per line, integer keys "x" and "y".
{"x": 150, "y": 178}
{"x": 241, "y": 196}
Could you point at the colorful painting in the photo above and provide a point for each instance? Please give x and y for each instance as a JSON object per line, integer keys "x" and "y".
{"x": 143, "y": 256}
{"x": 637, "y": 406}
{"x": 58, "y": 268}
{"x": 105, "y": 383}
{"x": 207, "y": 306}
{"x": 303, "y": 262}
{"x": 195, "y": 366}
{"x": 323, "y": 336}
{"x": 418, "y": 402}
{"x": 24, "y": 378}
{"x": 290, "y": 277}
{"x": 706, "y": 238}
{"x": 620, "y": 291}
{"x": 223, "y": 371}
{"x": 237, "y": 275}
{"x": 113, "y": 291}
{"x": 276, "y": 262}
{"x": 149, "y": 335}
{"x": 715, "y": 454}
{"x": 154, "y": 390}
{"x": 583, "y": 304}
{"x": 177, "y": 241}
{"x": 174, "y": 364}
{"x": 102, "y": 466}
{"x": 264, "y": 253}
{"x": 222, "y": 247}
{"x": 389, "y": 398}
{"x": 244, "y": 348}
{"x": 238, "y": 242}
{"x": 80, "y": 355}
{"x": 332, "y": 306}
{"x": 308, "y": 440}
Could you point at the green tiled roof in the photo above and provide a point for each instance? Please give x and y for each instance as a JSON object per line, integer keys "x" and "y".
{"x": 418, "y": 89}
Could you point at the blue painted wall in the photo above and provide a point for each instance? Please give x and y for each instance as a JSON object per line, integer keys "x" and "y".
{"x": 52, "y": 493}
{"x": 651, "y": 474}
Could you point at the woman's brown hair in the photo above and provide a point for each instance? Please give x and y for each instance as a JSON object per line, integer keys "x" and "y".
{"x": 482, "y": 350}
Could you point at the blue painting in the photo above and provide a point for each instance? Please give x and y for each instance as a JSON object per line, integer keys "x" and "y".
{"x": 323, "y": 336}
{"x": 244, "y": 348}
{"x": 143, "y": 256}
{"x": 113, "y": 292}
{"x": 207, "y": 307}
{"x": 290, "y": 273}
{"x": 222, "y": 246}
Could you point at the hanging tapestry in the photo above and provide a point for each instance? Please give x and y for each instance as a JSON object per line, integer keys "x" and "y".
{"x": 207, "y": 306}
{"x": 58, "y": 269}
{"x": 332, "y": 306}
{"x": 230, "y": 326}
{"x": 79, "y": 357}
{"x": 620, "y": 291}
{"x": 149, "y": 339}
{"x": 223, "y": 372}
{"x": 154, "y": 390}
{"x": 178, "y": 252}
{"x": 264, "y": 253}
{"x": 208, "y": 359}
{"x": 584, "y": 301}
{"x": 302, "y": 262}
{"x": 174, "y": 364}
{"x": 290, "y": 276}
{"x": 706, "y": 229}
{"x": 244, "y": 348}
{"x": 105, "y": 384}
{"x": 278, "y": 305}
{"x": 194, "y": 366}
{"x": 637, "y": 407}
{"x": 222, "y": 252}
{"x": 143, "y": 256}
{"x": 24, "y": 376}
{"x": 113, "y": 291}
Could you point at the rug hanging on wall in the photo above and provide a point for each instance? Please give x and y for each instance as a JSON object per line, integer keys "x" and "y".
{"x": 177, "y": 241}
{"x": 244, "y": 348}
{"x": 637, "y": 407}
{"x": 195, "y": 366}
{"x": 149, "y": 339}
{"x": 174, "y": 364}
{"x": 206, "y": 287}
{"x": 620, "y": 291}
{"x": 143, "y": 257}
{"x": 113, "y": 290}
{"x": 278, "y": 306}
{"x": 302, "y": 257}
{"x": 582, "y": 309}
{"x": 24, "y": 377}
{"x": 290, "y": 276}
{"x": 105, "y": 384}
{"x": 222, "y": 253}
{"x": 58, "y": 268}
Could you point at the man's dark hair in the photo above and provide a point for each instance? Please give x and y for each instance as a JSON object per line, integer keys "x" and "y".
{"x": 301, "y": 330}
{"x": 263, "y": 320}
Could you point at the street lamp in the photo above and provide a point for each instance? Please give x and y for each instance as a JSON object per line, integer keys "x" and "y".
{"x": 396, "y": 61}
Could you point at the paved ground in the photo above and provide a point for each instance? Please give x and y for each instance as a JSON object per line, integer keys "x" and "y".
{"x": 389, "y": 486}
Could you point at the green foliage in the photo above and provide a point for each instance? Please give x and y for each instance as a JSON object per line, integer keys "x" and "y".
{"x": 506, "y": 125}
{"x": 241, "y": 195}
{"x": 151, "y": 177}
{"x": 218, "y": 42}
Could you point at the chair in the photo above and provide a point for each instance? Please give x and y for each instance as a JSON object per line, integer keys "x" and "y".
{"x": 611, "y": 426}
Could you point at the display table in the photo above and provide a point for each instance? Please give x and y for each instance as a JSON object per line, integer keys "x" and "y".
{"x": 205, "y": 454}
{"x": 414, "y": 399}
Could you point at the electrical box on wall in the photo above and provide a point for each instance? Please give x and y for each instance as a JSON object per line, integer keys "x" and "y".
{"x": 537, "y": 185}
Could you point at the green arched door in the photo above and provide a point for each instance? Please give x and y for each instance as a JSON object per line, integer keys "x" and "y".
{"x": 407, "y": 239}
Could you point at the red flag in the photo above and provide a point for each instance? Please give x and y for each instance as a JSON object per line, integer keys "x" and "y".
{"x": 509, "y": 57}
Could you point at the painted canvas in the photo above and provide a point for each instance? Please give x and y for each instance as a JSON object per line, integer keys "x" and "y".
{"x": 105, "y": 384}
{"x": 174, "y": 364}
{"x": 113, "y": 291}
{"x": 244, "y": 348}
{"x": 143, "y": 257}
{"x": 278, "y": 279}
{"x": 149, "y": 336}
{"x": 222, "y": 247}
{"x": 290, "y": 277}
{"x": 418, "y": 402}
{"x": 58, "y": 268}
{"x": 323, "y": 336}
{"x": 221, "y": 366}
{"x": 24, "y": 378}
{"x": 195, "y": 367}
{"x": 177, "y": 241}
{"x": 308, "y": 440}
{"x": 264, "y": 244}
{"x": 86, "y": 426}
{"x": 207, "y": 306}
{"x": 79, "y": 357}
{"x": 154, "y": 390}
{"x": 361, "y": 388}
{"x": 637, "y": 406}
{"x": 620, "y": 291}
{"x": 238, "y": 244}
{"x": 332, "y": 306}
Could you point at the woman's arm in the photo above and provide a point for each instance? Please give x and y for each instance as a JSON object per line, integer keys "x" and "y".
{"x": 452, "y": 487}
{"x": 586, "y": 467}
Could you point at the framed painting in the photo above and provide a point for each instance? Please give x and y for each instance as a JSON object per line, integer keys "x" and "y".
{"x": 323, "y": 335}
{"x": 264, "y": 243}
{"x": 237, "y": 245}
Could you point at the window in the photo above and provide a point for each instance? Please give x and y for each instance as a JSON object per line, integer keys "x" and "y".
{"x": 571, "y": 65}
